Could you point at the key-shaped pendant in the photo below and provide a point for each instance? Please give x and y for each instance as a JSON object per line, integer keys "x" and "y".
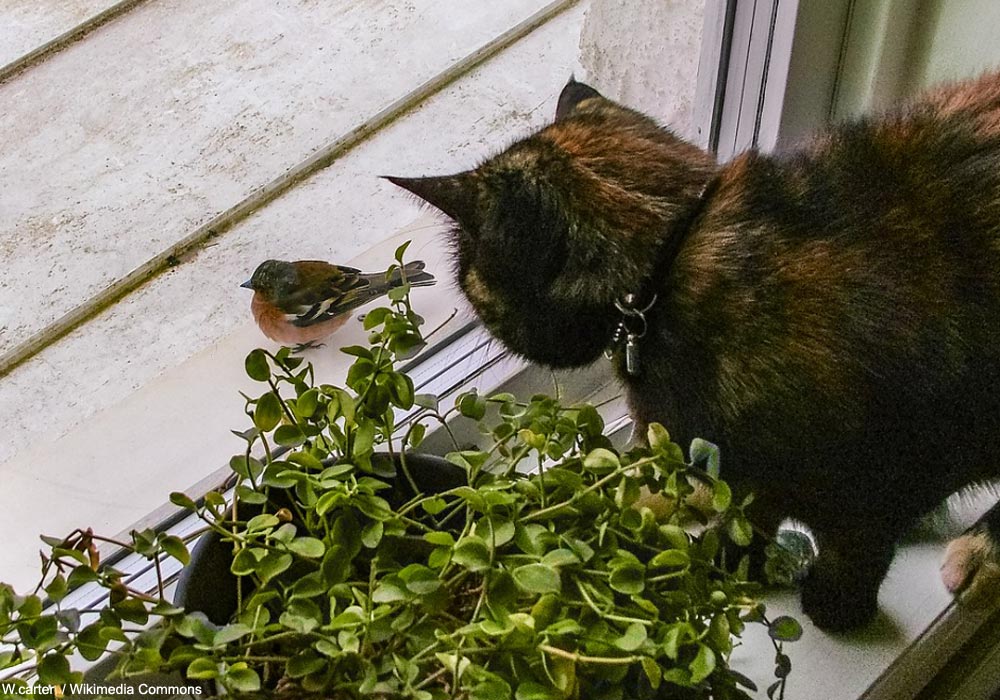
{"x": 632, "y": 354}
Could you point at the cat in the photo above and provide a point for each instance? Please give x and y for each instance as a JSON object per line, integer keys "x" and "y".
{"x": 829, "y": 316}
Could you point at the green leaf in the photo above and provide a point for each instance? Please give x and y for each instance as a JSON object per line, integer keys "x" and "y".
{"x": 301, "y": 615}
{"x": 308, "y": 547}
{"x": 185, "y": 502}
{"x": 243, "y": 680}
{"x": 289, "y": 436}
{"x": 230, "y": 633}
{"x": 785, "y": 629}
{"x": 429, "y": 401}
{"x": 57, "y": 588}
{"x": 703, "y": 664}
{"x": 740, "y": 531}
{"x": 90, "y": 643}
{"x": 560, "y": 557}
{"x": 304, "y": 663}
{"x": 537, "y": 578}
{"x": 257, "y": 366}
{"x": 351, "y": 617}
{"x": 722, "y": 496}
{"x": 401, "y": 251}
{"x": 309, "y": 586}
{"x": 401, "y": 389}
{"x": 271, "y": 565}
{"x": 376, "y": 317}
{"x": 391, "y": 589}
{"x": 495, "y": 532}
{"x": 336, "y": 565}
{"x": 247, "y": 495}
{"x": 434, "y": 505}
{"x": 471, "y": 405}
{"x": 375, "y": 507}
{"x": 420, "y": 579}
{"x": 397, "y": 294}
{"x": 202, "y": 669}
{"x": 416, "y": 435}
{"x": 132, "y": 610}
{"x": 675, "y": 536}
{"x": 706, "y": 456}
{"x": 566, "y": 627}
{"x": 719, "y": 633}
{"x": 473, "y": 553}
{"x": 782, "y": 665}
{"x": 80, "y": 575}
{"x": 307, "y": 403}
{"x": 678, "y": 676}
{"x": 634, "y": 637}
{"x": 669, "y": 558}
{"x": 69, "y": 619}
{"x": 653, "y": 672}
{"x": 601, "y": 460}
{"x": 629, "y": 579}
{"x": 245, "y": 561}
{"x": 54, "y": 670}
{"x": 444, "y": 539}
{"x": 264, "y": 521}
{"x": 174, "y": 546}
{"x": 529, "y": 690}
{"x": 371, "y": 534}
{"x": 267, "y": 412}
{"x": 246, "y": 466}
{"x": 29, "y": 605}
{"x": 359, "y": 351}
{"x": 364, "y": 439}
{"x": 659, "y": 438}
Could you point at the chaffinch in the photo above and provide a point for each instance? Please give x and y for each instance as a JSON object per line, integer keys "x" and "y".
{"x": 305, "y": 301}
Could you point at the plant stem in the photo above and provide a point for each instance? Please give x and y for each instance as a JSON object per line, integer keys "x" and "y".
{"x": 583, "y": 659}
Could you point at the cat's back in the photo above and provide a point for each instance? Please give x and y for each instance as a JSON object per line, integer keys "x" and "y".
{"x": 921, "y": 181}
{"x": 934, "y": 160}
{"x": 869, "y": 258}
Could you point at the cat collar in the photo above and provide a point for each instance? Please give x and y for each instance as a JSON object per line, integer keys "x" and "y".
{"x": 633, "y": 324}
{"x": 631, "y": 328}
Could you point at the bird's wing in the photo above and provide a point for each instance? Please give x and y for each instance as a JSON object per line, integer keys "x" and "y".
{"x": 348, "y": 289}
{"x": 321, "y": 291}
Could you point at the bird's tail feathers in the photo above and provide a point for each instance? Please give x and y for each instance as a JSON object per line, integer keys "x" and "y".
{"x": 415, "y": 275}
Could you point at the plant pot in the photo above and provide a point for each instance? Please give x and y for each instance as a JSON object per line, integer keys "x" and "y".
{"x": 207, "y": 585}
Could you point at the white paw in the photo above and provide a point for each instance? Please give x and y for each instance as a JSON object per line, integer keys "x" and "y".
{"x": 971, "y": 567}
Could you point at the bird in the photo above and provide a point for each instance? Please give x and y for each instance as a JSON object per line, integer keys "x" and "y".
{"x": 305, "y": 301}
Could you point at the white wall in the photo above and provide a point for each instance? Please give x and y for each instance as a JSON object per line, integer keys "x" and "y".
{"x": 644, "y": 53}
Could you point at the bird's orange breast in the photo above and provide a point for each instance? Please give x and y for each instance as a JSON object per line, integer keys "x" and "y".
{"x": 274, "y": 325}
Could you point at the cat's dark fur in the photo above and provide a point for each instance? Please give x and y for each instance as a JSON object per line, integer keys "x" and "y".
{"x": 830, "y": 317}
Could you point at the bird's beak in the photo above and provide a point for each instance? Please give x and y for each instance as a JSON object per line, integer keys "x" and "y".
{"x": 248, "y": 284}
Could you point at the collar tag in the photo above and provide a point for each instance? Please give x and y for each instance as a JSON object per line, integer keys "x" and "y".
{"x": 631, "y": 328}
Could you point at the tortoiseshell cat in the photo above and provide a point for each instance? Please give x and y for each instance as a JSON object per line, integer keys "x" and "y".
{"x": 830, "y": 317}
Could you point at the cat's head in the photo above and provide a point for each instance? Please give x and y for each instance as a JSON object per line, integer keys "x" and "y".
{"x": 553, "y": 230}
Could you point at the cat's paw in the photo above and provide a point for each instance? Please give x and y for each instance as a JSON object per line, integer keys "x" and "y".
{"x": 971, "y": 567}
{"x": 840, "y": 592}
{"x": 834, "y": 609}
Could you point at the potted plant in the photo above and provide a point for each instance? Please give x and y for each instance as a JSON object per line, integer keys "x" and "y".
{"x": 357, "y": 568}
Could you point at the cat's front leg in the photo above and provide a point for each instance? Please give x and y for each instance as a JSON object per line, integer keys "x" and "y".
{"x": 971, "y": 566}
{"x": 840, "y": 592}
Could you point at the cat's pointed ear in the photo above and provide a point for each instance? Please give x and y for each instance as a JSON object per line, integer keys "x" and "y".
{"x": 573, "y": 94}
{"x": 455, "y": 195}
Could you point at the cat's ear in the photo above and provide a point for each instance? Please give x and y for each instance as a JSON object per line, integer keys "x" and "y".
{"x": 573, "y": 94}
{"x": 455, "y": 195}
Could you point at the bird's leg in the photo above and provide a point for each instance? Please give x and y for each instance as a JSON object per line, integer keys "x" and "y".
{"x": 311, "y": 345}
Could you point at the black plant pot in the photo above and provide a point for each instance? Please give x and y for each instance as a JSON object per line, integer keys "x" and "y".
{"x": 207, "y": 585}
